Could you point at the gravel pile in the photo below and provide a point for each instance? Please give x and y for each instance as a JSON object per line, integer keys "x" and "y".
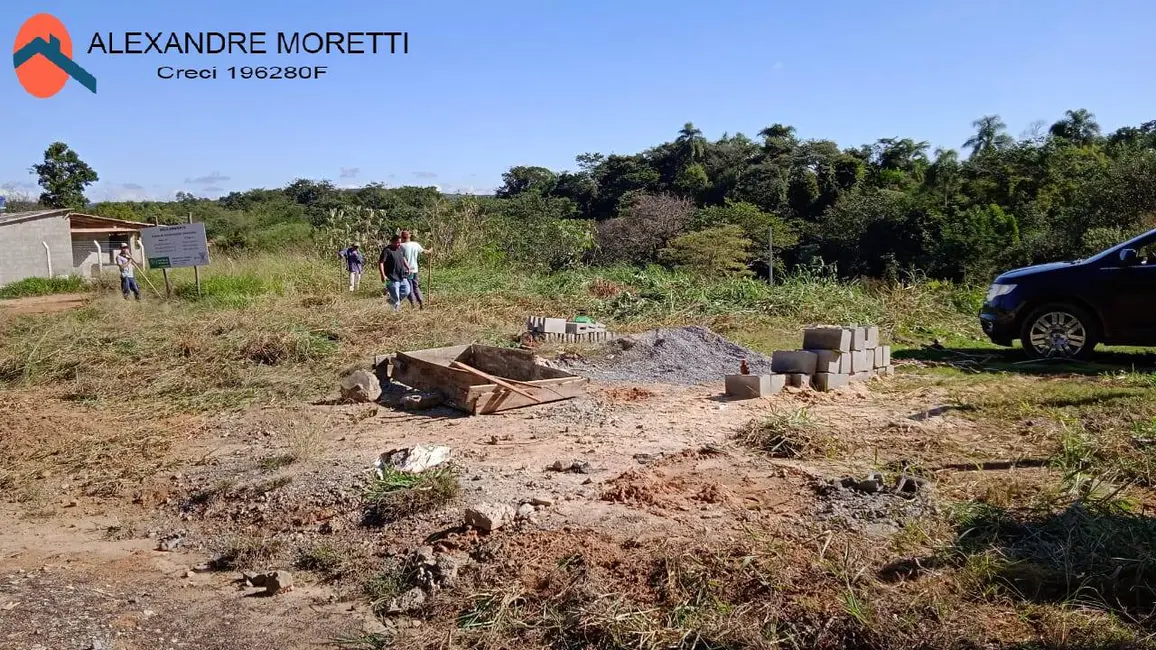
{"x": 682, "y": 355}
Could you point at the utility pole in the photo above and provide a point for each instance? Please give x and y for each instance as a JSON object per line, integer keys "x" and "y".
{"x": 770, "y": 255}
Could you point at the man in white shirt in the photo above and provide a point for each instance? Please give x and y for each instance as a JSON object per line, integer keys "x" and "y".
{"x": 411, "y": 249}
{"x": 127, "y": 279}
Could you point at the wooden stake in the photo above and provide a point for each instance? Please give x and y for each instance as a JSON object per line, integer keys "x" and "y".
{"x": 492, "y": 379}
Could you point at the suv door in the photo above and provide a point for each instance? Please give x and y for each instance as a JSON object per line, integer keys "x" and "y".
{"x": 1130, "y": 296}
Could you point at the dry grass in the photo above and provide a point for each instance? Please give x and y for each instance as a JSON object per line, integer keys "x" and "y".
{"x": 790, "y": 434}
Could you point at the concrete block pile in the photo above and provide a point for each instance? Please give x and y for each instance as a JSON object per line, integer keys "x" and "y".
{"x": 833, "y": 356}
{"x": 559, "y": 329}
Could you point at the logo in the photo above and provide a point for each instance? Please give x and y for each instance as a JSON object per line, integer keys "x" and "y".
{"x": 42, "y": 57}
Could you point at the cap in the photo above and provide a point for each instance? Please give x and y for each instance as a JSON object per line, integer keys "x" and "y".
{"x": 124, "y": 245}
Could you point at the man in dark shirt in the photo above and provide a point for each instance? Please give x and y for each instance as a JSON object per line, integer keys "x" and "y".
{"x": 394, "y": 272}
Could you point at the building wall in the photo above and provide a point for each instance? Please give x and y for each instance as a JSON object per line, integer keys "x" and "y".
{"x": 22, "y": 253}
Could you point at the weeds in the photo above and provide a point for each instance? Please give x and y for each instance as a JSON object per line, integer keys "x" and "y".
{"x": 789, "y": 435}
{"x": 248, "y": 552}
{"x": 396, "y": 495}
{"x": 324, "y": 558}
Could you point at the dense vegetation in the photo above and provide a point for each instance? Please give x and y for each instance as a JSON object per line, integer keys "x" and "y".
{"x": 880, "y": 210}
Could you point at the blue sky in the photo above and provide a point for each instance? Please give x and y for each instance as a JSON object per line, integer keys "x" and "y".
{"x": 488, "y": 85}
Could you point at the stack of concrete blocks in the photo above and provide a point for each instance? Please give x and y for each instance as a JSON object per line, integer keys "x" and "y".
{"x": 559, "y": 329}
{"x": 833, "y": 356}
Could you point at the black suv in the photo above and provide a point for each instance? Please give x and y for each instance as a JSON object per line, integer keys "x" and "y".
{"x": 1064, "y": 309}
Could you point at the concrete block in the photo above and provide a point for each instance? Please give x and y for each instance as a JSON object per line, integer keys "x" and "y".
{"x": 862, "y": 376}
{"x": 872, "y": 335}
{"x": 861, "y": 361}
{"x": 554, "y": 325}
{"x": 747, "y": 386}
{"x": 877, "y": 362}
{"x": 882, "y": 356}
{"x": 858, "y": 338}
{"x": 887, "y": 370}
{"x": 829, "y": 380}
{"x": 794, "y": 361}
{"x": 798, "y": 379}
{"x": 827, "y": 338}
{"x": 536, "y": 324}
{"x": 833, "y": 361}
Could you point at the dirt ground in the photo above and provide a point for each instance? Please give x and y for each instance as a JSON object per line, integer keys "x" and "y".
{"x": 43, "y": 304}
{"x": 97, "y": 496}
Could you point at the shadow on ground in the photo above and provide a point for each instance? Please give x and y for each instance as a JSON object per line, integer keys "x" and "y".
{"x": 1014, "y": 360}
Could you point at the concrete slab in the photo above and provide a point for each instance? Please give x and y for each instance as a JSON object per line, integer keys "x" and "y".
{"x": 554, "y": 325}
{"x": 862, "y": 361}
{"x": 749, "y": 386}
{"x": 829, "y": 380}
{"x": 827, "y": 338}
{"x": 798, "y": 379}
{"x": 794, "y": 361}
{"x": 833, "y": 361}
{"x": 872, "y": 334}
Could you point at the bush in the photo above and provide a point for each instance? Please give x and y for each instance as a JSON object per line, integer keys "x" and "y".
{"x": 712, "y": 252}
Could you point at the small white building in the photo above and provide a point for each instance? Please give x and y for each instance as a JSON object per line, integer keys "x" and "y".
{"x": 51, "y": 243}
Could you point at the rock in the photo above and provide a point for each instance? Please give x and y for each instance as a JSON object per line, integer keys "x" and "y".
{"x": 360, "y": 386}
{"x": 278, "y": 582}
{"x": 541, "y": 501}
{"x": 488, "y": 516}
{"x": 425, "y": 555}
{"x": 525, "y": 511}
{"x": 577, "y": 467}
{"x": 170, "y": 543}
{"x": 447, "y": 570}
{"x": 254, "y": 579}
{"x": 911, "y": 484}
{"x": 99, "y": 644}
{"x": 414, "y": 459}
{"x": 646, "y": 459}
{"x": 407, "y": 602}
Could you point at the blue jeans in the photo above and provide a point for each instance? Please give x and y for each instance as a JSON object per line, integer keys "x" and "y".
{"x": 414, "y": 289}
{"x": 129, "y": 285}
{"x": 397, "y": 290}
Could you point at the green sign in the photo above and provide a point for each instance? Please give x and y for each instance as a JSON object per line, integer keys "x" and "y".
{"x": 159, "y": 263}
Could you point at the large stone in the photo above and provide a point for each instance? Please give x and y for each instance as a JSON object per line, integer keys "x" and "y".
{"x": 278, "y": 582}
{"x": 748, "y": 386}
{"x": 825, "y": 381}
{"x": 489, "y": 516}
{"x": 793, "y": 361}
{"x": 360, "y": 386}
{"x": 409, "y": 601}
{"x": 833, "y": 361}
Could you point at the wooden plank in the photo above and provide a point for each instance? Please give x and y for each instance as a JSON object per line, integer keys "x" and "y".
{"x": 503, "y": 384}
{"x": 485, "y": 402}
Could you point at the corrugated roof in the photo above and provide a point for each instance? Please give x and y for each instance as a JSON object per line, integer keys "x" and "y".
{"x": 10, "y": 217}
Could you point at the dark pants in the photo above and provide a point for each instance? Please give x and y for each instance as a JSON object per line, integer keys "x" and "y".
{"x": 127, "y": 285}
{"x": 414, "y": 289}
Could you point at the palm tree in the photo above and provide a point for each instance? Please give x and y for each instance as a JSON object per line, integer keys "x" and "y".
{"x": 778, "y": 140}
{"x": 990, "y": 133}
{"x": 1078, "y": 126}
{"x": 691, "y": 142}
{"x": 944, "y": 172}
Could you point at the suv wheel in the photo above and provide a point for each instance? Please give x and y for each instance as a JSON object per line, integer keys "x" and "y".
{"x": 1059, "y": 331}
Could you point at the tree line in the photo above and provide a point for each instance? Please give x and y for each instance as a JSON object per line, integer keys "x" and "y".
{"x": 886, "y": 209}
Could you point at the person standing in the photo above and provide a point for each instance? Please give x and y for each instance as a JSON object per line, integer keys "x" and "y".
{"x": 127, "y": 278}
{"x": 412, "y": 249}
{"x": 394, "y": 272}
{"x": 354, "y": 261}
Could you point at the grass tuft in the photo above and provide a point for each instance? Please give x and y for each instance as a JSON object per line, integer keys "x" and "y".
{"x": 396, "y": 495}
{"x": 792, "y": 434}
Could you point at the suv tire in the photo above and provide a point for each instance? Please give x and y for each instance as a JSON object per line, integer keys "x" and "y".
{"x": 1059, "y": 331}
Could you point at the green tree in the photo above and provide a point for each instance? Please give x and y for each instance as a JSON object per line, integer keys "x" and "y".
{"x": 712, "y": 252}
{"x": 990, "y": 134}
{"x": 527, "y": 179}
{"x": 691, "y": 143}
{"x": 1077, "y": 126}
{"x": 64, "y": 177}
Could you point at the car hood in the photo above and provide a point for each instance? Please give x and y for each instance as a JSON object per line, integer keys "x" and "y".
{"x": 1026, "y": 271}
